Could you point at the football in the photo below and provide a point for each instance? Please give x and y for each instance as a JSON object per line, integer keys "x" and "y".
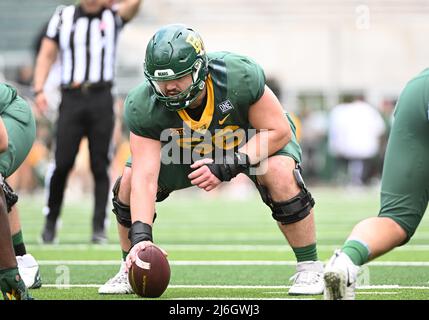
{"x": 149, "y": 275}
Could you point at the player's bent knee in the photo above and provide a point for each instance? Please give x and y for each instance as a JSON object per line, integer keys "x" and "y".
{"x": 294, "y": 209}
{"x": 121, "y": 210}
{"x": 291, "y": 210}
{"x": 404, "y": 231}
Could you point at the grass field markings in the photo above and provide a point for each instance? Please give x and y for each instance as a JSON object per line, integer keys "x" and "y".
{"x": 379, "y": 292}
{"x": 267, "y": 287}
{"x": 392, "y": 286}
{"x": 236, "y": 298}
{"x": 79, "y": 262}
{"x": 360, "y": 292}
{"x": 67, "y": 286}
{"x": 225, "y": 263}
{"x": 204, "y": 247}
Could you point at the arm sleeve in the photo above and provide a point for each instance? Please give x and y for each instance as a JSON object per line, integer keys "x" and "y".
{"x": 251, "y": 82}
{"x": 255, "y": 80}
{"x": 138, "y": 121}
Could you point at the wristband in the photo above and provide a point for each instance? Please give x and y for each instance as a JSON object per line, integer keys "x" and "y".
{"x": 139, "y": 232}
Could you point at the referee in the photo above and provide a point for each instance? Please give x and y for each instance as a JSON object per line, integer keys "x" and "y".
{"x": 85, "y": 37}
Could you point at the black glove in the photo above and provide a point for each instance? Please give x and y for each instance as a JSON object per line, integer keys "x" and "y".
{"x": 139, "y": 232}
{"x": 230, "y": 166}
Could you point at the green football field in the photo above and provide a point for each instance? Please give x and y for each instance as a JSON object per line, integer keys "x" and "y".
{"x": 221, "y": 249}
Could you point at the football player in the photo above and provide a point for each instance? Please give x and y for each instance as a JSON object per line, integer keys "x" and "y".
{"x": 17, "y": 134}
{"x": 215, "y": 109}
{"x": 404, "y": 193}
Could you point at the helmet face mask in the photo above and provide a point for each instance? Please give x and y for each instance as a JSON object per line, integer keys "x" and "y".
{"x": 174, "y": 52}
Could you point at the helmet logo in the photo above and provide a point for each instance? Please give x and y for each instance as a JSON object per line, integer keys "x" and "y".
{"x": 196, "y": 43}
{"x": 163, "y": 73}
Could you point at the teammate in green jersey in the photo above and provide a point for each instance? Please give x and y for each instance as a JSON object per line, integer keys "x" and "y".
{"x": 404, "y": 193}
{"x": 17, "y": 134}
{"x": 200, "y": 119}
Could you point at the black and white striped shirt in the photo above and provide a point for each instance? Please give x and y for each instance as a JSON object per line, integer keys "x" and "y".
{"x": 87, "y": 44}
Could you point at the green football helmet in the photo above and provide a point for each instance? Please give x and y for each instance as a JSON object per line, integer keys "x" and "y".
{"x": 173, "y": 52}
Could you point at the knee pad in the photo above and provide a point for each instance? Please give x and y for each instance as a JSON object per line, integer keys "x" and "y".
{"x": 123, "y": 211}
{"x": 294, "y": 209}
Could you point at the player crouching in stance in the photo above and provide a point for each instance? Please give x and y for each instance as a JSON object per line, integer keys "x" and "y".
{"x": 209, "y": 103}
{"x": 17, "y": 134}
{"x": 404, "y": 193}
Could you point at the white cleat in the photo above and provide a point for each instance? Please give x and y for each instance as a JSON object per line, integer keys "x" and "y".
{"x": 340, "y": 277}
{"x": 308, "y": 279}
{"x": 29, "y": 271}
{"x": 118, "y": 284}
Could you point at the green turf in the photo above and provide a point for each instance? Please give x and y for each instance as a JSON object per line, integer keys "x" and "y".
{"x": 258, "y": 293}
{"x": 195, "y": 227}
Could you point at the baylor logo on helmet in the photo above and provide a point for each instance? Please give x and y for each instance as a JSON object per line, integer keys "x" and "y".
{"x": 196, "y": 43}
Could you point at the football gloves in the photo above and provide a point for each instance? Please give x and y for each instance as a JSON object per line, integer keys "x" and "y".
{"x": 230, "y": 166}
{"x": 11, "y": 285}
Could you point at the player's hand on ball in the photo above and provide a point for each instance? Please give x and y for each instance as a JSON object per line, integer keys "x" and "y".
{"x": 132, "y": 255}
{"x": 202, "y": 177}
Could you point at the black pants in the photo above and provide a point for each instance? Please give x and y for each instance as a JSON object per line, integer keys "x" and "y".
{"x": 82, "y": 114}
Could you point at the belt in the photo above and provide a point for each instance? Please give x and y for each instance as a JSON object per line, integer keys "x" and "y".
{"x": 87, "y": 87}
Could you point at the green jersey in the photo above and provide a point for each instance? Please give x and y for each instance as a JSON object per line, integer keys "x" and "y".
{"x": 234, "y": 83}
{"x": 20, "y": 126}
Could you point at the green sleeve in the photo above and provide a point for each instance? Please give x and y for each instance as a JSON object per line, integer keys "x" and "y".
{"x": 246, "y": 80}
{"x": 138, "y": 116}
{"x": 7, "y": 95}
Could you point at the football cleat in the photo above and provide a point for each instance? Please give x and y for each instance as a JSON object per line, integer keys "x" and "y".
{"x": 308, "y": 279}
{"x": 29, "y": 271}
{"x": 118, "y": 284}
{"x": 12, "y": 286}
{"x": 340, "y": 277}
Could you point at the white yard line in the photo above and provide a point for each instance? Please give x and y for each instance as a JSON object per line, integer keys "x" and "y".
{"x": 237, "y": 298}
{"x": 224, "y": 263}
{"x": 375, "y": 287}
{"x": 379, "y": 292}
{"x": 203, "y": 247}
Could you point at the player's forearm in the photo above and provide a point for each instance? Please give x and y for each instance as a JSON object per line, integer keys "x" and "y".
{"x": 265, "y": 143}
{"x": 143, "y": 197}
{"x": 7, "y": 256}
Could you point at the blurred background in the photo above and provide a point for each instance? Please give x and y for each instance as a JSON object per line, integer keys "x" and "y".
{"x": 337, "y": 65}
